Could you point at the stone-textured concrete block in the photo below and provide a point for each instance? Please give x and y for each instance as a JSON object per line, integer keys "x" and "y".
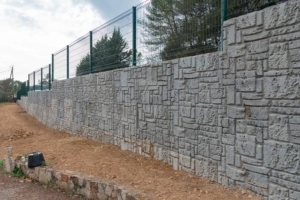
{"x": 278, "y": 128}
{"x": 281, "y": 87}
{"x": 281, "y": 156}
{"x": 279, "y": 56}
{"x": 235, "y": 112}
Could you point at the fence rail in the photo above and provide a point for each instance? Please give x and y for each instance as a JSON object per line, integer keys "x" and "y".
{"x": 153, "y": 31}
{"x": 40, "y": 79}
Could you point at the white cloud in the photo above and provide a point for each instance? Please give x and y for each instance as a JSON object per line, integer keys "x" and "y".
{"x": 31, "y": 30}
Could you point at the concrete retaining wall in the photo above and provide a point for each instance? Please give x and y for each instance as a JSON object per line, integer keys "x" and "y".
{"x": 231, "y": 116}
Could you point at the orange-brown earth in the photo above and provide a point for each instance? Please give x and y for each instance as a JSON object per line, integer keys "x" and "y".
{"x": 104, "y": 161}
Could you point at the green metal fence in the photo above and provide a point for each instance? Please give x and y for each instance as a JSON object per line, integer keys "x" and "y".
{"x": 78, "y": 52}
{"x": 153, "y": 31}
{"x": 240, "y": 7}
{"x": 23, "y": 91}
{"x": 60, "y": 64}
{"x": 40, "y": 79}
{"x": 31, "y": 82}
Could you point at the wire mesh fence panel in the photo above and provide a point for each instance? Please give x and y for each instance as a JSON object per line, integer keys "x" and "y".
{"x": 112, "y": 44}
{"x": 38, "y": 80}
{"x": 147, "y": 54}
{"x": 45, "y": 78}
{"x": 173, "y": 28}
{"x": 79, "y": 56}
{"x": 60, "y": 65}
{"x": 31, "y": 81}
{"x": 151, "y": 32}
{"x": 241, "y": 7}
{"x": 23, "y": 90}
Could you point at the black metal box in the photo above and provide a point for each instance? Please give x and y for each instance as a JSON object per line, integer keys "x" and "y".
{"x": 35, "y": 159}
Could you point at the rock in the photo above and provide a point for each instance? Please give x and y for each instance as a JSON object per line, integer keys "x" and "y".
{"x": 9, "y": 152}
{"x": 243, "y": 192}
{"x": 9, "y": 163}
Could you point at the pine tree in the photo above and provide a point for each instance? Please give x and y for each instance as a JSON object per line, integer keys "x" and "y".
{"x": 108, "y": 53}
{"x": 180, "y": 28}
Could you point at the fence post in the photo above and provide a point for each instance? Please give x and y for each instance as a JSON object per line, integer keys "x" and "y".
{"x": 52, "y": 67}
{"x": 134, "y": 36}
{"x": 68, "y": 62}
{"x": 91, "y": 52}
{"x": 28, "y": 86}
{"x": 34, "y": 81}
{"x": 224, "y": 10}
{"x": 224, "y": 15}
{"x": 49, "y": 78}
{"x": 41, "y": 79}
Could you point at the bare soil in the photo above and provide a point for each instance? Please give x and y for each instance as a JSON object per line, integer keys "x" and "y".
{"x": 108, "y": 162}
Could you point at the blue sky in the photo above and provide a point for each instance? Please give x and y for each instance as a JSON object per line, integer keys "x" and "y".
{"x": 31, "y": 30}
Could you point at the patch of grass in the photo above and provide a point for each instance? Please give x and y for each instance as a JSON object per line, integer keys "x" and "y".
{"x": 18, "y": 173}
{"x": 50, "y": 184}
{"x": 77, "y": 187}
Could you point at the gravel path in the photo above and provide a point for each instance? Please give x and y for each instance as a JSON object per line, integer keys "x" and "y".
{"x": 20, "y": 189}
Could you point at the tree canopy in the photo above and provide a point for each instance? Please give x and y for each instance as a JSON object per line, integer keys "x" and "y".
{"x": 182, "y": 27}
{"x": 108, "y": 53}
{"x": 7, "y": 89}
{"x": 178, "y": 28}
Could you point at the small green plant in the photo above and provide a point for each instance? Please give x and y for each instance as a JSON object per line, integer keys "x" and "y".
{"x": 1, "y": 164}
{"x": 50, "y": 184}
{"x": 17, "y": 172}
{"x": 77, "y": 187}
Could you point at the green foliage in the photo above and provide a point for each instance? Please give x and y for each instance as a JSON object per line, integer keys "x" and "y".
{"x": 18, "y": 172}
{"x": 179, "y": 28}
{"x": 17, "y": 85}
{"x": 1, "y": 163}
{"x": 44, "y": 81}
{"x": 108, "y": 53}
{"x": 8, "y": 88}
{"x": 50, "y": 184}
{"x": 182, "y": 27}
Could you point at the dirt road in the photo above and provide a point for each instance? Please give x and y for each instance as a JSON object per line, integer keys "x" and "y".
{"x": 137, "y": 173}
